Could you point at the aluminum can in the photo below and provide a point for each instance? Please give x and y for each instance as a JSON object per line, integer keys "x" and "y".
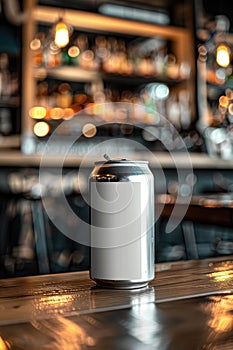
{"x": 121, "y": 198}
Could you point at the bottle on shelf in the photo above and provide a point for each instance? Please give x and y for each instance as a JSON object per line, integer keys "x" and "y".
{"x": 9, "y": 88}
{"x": 5, "y": 76}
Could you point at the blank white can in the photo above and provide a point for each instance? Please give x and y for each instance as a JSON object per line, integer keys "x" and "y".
{"x": 122, "y": 224}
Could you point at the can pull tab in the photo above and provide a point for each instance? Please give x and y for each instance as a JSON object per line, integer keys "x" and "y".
{"x": 106, "y": 156}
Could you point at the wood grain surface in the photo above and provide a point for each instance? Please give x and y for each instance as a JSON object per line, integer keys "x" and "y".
{"x": 186, "y": 300}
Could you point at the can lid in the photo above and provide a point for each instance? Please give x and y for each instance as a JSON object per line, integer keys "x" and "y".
{"x": 122, "y": 161}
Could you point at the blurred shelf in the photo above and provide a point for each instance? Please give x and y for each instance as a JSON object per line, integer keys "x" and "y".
{"x": 82, "y": 20}
{"x": 221, "y": 87}
{"x": 9, "y": 102}
{"x": 6, "y": 142}
{"x": 15, "y": 158}
{"x": 74, "y": 74}
{"x": 77, "y": 74}
{"x": 138, "y": 80}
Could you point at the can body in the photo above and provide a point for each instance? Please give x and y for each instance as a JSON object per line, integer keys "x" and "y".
{"x": 122, "y": 224}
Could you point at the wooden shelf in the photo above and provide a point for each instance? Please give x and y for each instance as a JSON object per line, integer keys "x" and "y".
{"x": 96, "y": 22}
{"x": 12, "y": 141}
{"x": 221, "y": 87}
{"x": 77, "y": 74}
{"x": 66, "y": 73}
{"x": 12, "y": 101}
{"x": 198, "y": 160}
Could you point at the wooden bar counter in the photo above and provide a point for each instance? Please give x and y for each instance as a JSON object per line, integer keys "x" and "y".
{"x": 189, "y": 305}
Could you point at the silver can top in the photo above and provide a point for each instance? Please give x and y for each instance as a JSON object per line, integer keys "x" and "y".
{"x": 121, "y": 161}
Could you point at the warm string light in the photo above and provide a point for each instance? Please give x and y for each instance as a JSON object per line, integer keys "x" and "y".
{"x": 62, "y": 34}
{"x": 41, "y": 129}
{"x": 223, "y": 55}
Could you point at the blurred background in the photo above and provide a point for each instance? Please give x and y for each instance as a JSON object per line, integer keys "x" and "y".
{"x": 157, "y": 75}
